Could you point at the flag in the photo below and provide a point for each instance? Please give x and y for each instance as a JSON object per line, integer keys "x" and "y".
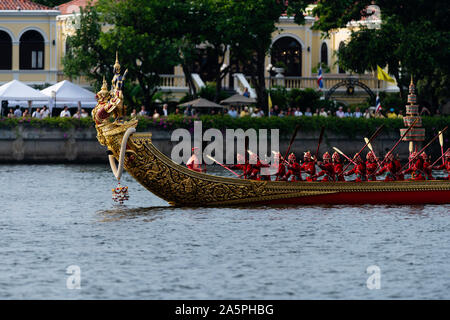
{"x": 382, "y": 75}
{"x": 320, "y": 78}
{"x": 377, "y": 104}
{"x": 269, "y": 103}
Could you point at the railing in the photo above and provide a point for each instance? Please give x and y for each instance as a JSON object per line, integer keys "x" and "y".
{"x": 241, "y": 83}
{"x": 328, "y": 81}
{"x": 198, "y": 82}
{"x": 173, "y": 82}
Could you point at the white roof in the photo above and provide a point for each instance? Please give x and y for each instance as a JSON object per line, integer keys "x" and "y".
{"x": 69, "y": 92}
{"x": 16, "y": 90}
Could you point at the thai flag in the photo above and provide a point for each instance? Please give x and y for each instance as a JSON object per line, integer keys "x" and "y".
{"x": 320, "y": 78}
{"x": 377, "y": 104}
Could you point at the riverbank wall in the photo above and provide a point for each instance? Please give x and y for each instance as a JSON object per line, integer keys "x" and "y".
{"x": 23, "y": 144}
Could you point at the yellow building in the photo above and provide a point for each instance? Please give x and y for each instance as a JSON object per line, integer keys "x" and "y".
{"x": 33, "y": 43}
{"x": 28, "y": 42}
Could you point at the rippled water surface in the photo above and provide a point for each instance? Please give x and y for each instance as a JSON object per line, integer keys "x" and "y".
{"x": 60, "y": 215}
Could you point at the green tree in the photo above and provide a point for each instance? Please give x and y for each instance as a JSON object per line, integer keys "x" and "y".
{"x": 413, "y": 38}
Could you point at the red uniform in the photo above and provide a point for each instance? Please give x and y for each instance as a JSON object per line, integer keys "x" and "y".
{"x": 391, "y": 169}
{"x": 310, "y": 169}
{"x": 446, "y": 166}
{"x": 255, "y": 170}
{"x": 294, "y": 170}
{"x": 371, "y": 169}
{"x": 398, "y": 167}
{"x": 339, "y": 171}
{"x": 427, "y": 169}
{"x": 416, "y": 170}
{"x": 327, "y": 171}
{"x": 359, "y": 170}
{"x": 281, "y": 171}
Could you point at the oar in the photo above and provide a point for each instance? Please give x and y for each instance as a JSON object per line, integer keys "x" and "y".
{"x": 395, "y": 145}
{"x": 421, "y": 150}
{"x": 441, "y": 142}
{"x": 292, "y": 140}
{"x": 377, "y": 132}
{"x": 318, "y": 144}
{"x": 224, "y": 166}
{"x": 344, "y": 155}
{"x": 441, "y": 157}
{"x": 371, "y": 149}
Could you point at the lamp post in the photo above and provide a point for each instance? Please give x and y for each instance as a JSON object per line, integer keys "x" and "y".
{"x": 269, "y": 70}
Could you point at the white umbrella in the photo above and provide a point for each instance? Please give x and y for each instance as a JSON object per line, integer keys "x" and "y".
{"x": 66, "y": 92}
{"x": 16, "y": 90}
{"x": 19, "y": 91}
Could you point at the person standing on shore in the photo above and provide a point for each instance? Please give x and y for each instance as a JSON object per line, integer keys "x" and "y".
{"x": 17, "y": 112}
{"x": 65, "y": 113}
{"x": 11, "y": 113}
{"x": 45, "y": 113}
{"x": 37, "y": 114}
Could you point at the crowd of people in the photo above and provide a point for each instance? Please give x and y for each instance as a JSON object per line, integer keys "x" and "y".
{"x": 249, "y": 111}
{"x": 331, "y": 168}
{"x": 44, "y": 112}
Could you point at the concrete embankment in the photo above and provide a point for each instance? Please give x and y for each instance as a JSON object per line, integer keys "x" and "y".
{"x": 45, "y": 145}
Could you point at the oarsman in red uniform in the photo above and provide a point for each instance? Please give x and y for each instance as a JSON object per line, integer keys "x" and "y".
{"x": 416, "y": 168}
{"x": 338, "y": 167}
{"x": 279, "y": 166}
{"x": 193, "y": 163}
{"x": 241, "y": 165}
{"x": 255, "y": 168}
{"x": 445, "y": 165}
{"x": 427, "y": 169}
{"x": 359, "y": 170}
{"x": 398, "y": 166}
{"x": 294, "y": 169}
{"x": 371, "y": 166}
{"x": 390, "y": 168}
{"x": 327, "y": 168}
{"x": 309, "y": 166}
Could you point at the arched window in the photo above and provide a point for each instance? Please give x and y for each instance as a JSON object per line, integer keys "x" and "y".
{"x": 288, "y": 51}
{"x": 340, "y": 69}
{"x": 324, "y": 54}
{"x": 31, "y": 50}
{"x": 5, "y": 51}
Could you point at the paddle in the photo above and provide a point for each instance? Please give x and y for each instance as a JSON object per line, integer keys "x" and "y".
{"x": 377, "y": 132}
{"x": 292, "y": 140}
{"x": 224, "y": 166}
{"x": 344, "y": 155}
{"x": 441, "y": 142}
{"x": 426, "y": 146}
{"x": 441, "y": 157}
{"x": 371, "y": 149}
{"x": 318, "y": 144}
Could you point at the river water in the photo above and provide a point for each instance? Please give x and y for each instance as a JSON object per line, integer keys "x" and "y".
{"x": 56, "y": 216}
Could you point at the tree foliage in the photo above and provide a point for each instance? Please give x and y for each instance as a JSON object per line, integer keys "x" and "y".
{"x": 50, "y": 3}
{"x": 413, "y": 39}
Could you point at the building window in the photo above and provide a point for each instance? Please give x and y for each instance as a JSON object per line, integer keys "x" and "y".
{"x": 287, "y": 52}
{"x": 324, "y": 54}
{"x": 340, "y": 69}
{"x": 31, "y": 51}
{"x": 5, "y": 51}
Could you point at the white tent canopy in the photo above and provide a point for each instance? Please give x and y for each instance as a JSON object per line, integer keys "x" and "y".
{"x": 16, "y": 90}
{"x": 65, "y": 92}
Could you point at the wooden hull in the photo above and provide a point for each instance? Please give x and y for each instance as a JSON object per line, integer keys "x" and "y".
{"x": 182, "y": 187}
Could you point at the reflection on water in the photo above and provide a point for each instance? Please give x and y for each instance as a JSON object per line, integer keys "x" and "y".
{"x": 59, "y": 215}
